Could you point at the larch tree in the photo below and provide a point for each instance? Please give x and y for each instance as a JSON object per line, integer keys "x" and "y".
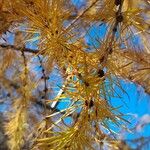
{"x": 47, "y": 61}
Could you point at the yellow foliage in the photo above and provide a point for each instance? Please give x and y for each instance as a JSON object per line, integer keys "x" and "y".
{"x": 89, "y": 71}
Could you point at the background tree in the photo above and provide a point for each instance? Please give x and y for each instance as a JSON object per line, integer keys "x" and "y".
{"x": 49, "y": 57}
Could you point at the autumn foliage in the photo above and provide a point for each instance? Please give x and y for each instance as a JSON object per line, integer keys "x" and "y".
{"x": 51, "y": 62}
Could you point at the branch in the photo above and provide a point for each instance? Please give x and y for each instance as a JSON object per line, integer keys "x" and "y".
{"x": 6, "y": 47}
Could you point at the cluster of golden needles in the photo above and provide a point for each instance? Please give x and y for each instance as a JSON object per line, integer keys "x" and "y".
{"x": 61, "y": 30}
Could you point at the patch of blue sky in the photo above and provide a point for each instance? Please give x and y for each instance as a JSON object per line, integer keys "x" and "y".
{"x": 3, "y": 107}
{"x": 136, "y": 42}
{"x": 132, "y": 99}
{"x": 5, "y": 104}
{"x": 7, "y": 38}
{"x": 95, "y": 35}
{"x": 10, "y": 38}
{"x": 78, "y": 3}
{"x": 64, "y": 103}
{"x": 33, "y": 42}
{"x": 68, "y": 120}
{"x": 135, "y": 109}
{"x": 56, "y": 81}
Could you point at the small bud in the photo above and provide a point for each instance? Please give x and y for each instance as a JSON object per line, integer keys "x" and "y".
{"x": 96, "y": 112}
{"x": 115, "y": 29}
{"x": 8, "y": 94}
{"x": 31, "y": 3}
{"x": 118, "y": 2}
{"x": 79, "y": 74}
{"x": 119, "y": 18}
{"x": 110, "y": 50}
{"x": 86, "y": 83}
{"x": 56, "y": 31}
{"x": 91, "y": 104}
{"x": 64, "y": 69}
{"x": 86, "y": 103}
{"x": 43, "y": 97}
{"x": 102, "y": 59}
{"x": 71, "y": 56}
{"x": 100, "y": 73}
{"x": 46, "y": 89}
